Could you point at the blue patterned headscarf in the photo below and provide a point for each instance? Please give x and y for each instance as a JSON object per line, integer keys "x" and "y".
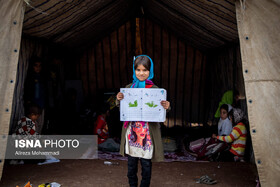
{"x": 137, "y": 82}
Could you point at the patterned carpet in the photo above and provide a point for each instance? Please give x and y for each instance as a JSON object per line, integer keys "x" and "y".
{"x": 169, "y": 156}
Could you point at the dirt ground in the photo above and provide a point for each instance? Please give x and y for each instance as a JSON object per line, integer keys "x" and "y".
{"x": 91, "y": 173}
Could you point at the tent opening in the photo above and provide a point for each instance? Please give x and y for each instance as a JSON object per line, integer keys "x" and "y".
{"x": 79, "y": 80}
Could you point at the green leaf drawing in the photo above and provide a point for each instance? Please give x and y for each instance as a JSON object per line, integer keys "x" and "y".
{"x": 133, "y": 105}
{"x": 151, "y": 104}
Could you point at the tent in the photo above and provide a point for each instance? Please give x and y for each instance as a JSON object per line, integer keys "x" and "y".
{"x": 199, "y": 30}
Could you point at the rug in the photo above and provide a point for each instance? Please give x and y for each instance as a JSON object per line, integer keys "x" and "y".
{"x": 168, "y": 156}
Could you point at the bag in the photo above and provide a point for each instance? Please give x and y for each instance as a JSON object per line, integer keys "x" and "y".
{"x": 169, "y": 145}
{"x": 196, "y": 145}
{"x": 210, "y": 149}
{"x": 109, "y": 145}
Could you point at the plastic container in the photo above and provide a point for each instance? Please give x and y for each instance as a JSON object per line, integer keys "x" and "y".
{"x": 110, "y": 163}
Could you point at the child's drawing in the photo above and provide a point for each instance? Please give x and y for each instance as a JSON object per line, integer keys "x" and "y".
{"x": 142, "y": 104}
{"x": 151, "y": 104}
{"x": 133, "y": 105}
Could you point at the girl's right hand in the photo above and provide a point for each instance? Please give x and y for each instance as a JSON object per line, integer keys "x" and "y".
{"x": 120, "y": 96}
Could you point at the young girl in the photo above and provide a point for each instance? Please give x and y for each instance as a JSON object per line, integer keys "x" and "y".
{"x": 141, "y": 140}
{"x": 100, "y": 126}
{"x": 237, "y": 136}
{"x": 213, "y": 147}
{"x": 224, "y": 125}
{"x": 28, "y": 124}
{"x": 35, "y": 89}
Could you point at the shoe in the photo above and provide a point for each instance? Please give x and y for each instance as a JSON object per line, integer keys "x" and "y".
{"x": 205, "y": 179}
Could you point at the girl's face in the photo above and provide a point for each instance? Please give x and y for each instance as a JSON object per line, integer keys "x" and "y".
{"x": 223, "y": 114}
{"x": 34, "y": 117}
{"x": 37, "y": 67}
{"x": 142, "y": 73}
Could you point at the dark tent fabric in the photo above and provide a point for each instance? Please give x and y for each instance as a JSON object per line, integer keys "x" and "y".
{"x": 205, "y": 24}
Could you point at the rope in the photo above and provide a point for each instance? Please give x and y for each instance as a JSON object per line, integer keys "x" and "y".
{"x": 34, "y": 8}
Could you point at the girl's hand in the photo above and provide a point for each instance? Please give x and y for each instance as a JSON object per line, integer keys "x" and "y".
{"x": 106, "y": 128}
{"x": 214, "y": 136}
{"x": 120, "y": 96}
{"x": 165, "y": 104}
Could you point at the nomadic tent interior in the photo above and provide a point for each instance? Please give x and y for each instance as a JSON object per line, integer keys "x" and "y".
{"x": 196, "y": 46}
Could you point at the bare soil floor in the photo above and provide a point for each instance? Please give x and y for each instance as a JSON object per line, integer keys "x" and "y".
{"x": 91, "y": 173}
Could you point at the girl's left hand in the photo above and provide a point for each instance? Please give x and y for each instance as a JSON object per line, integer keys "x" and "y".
{"x": 165, "y": 104}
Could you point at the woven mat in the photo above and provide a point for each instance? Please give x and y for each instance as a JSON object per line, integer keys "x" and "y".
{"x": 169, "y": 156}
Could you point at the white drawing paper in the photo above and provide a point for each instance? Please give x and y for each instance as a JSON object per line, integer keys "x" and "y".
{"x": 142, "y": 104}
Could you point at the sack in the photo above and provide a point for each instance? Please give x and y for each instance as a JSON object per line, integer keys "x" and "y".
{"x": 210, "y": 149}
{"x": 109, "y": 145}
{"x": 169, "y": 145}
{"x": 196, "y": 145}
